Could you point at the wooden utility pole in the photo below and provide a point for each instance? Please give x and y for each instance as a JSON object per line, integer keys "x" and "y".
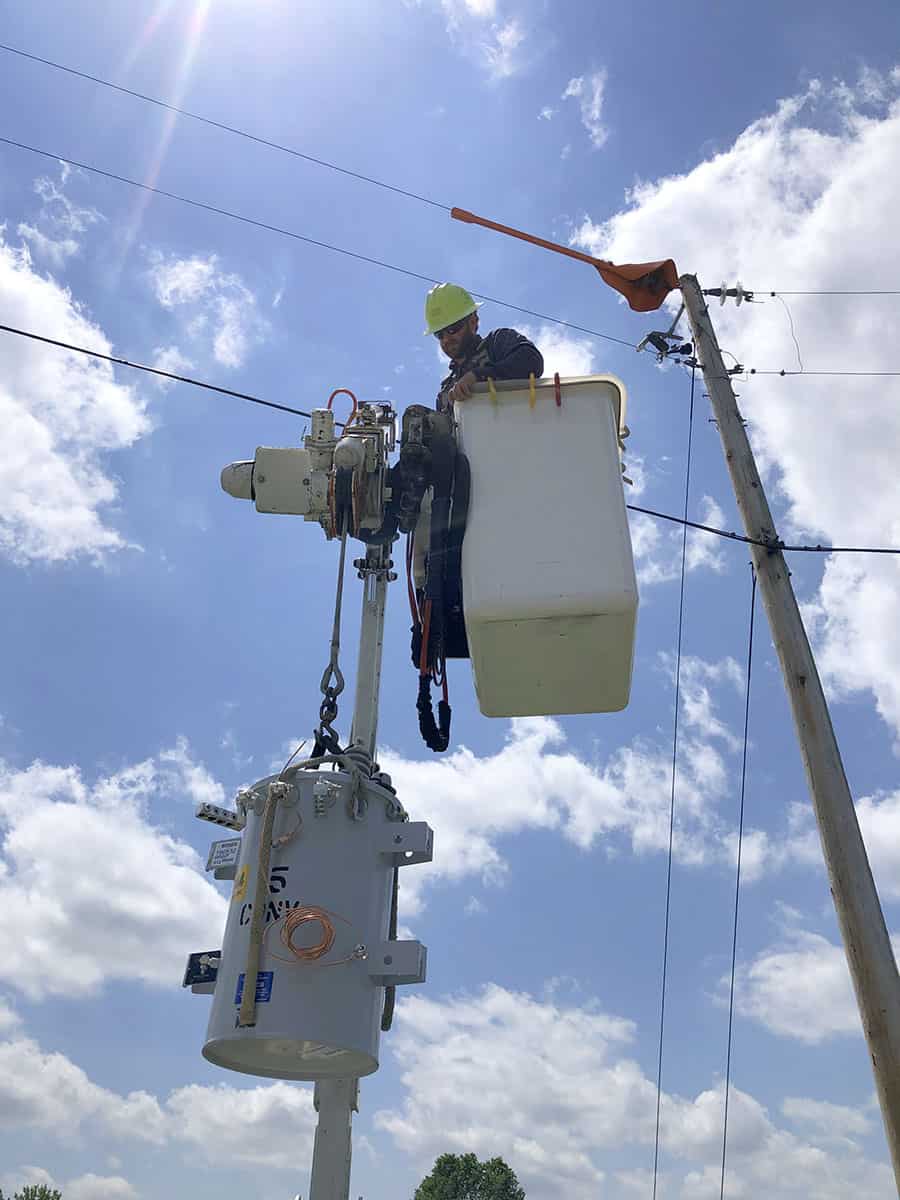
{"x": 866, "y": 942}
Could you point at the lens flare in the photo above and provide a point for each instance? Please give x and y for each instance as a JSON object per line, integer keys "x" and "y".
{"x": 193, "y": 34}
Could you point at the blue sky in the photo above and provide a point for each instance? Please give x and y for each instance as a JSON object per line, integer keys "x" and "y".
{"x": 162, "y": 643}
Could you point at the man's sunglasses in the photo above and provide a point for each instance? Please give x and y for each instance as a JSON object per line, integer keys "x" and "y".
{"x": 451, "y": 329}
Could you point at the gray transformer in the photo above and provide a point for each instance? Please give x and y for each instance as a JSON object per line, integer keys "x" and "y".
{"x": 326, "y": 953}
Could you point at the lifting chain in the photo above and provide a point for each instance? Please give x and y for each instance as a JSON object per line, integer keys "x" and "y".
{"x": 326, "y": 738}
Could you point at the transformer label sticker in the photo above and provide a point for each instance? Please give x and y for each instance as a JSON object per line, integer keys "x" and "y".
{"x": 263, "y": 987}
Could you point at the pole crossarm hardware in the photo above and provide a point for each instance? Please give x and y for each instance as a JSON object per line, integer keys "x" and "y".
{"x": 865, "y": 936}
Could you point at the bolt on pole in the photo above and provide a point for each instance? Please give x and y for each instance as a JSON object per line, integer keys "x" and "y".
{"x": 866, "y": 941}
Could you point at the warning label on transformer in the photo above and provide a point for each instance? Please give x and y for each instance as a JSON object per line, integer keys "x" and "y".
{"x": 263, "y": 987}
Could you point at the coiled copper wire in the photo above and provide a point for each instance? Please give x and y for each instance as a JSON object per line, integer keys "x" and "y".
{"x": 306, "y": 914}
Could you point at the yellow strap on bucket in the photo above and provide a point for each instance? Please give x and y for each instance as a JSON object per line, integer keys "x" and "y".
{"x": 532, "y": 395}
{"x": 493, "y": 391}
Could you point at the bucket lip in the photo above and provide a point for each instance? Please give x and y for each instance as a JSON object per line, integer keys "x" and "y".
{"x": 569, "y": 381}
{"x": 333, "y": 1067}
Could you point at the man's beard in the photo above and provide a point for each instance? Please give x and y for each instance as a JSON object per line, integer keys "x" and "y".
{"x": 467, "y": 347}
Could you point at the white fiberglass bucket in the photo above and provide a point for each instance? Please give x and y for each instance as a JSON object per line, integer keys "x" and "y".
{"x": 549, "y": 588}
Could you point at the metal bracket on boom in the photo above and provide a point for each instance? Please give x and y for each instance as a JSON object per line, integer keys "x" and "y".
{"x": 219, "y": 816}
{"x": 409, "y": 843}
{"x": 398, "y": 962}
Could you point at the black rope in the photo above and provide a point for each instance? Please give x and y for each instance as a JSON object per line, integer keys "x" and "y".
{"x": 665, "y": 962}
{"x": 124, "y": 362}
{"x": 737, "y": 881}
{"x": 772, "y": 544}
{"x": 300, "y": 237}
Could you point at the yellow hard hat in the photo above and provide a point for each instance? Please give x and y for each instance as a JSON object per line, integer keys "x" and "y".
{"x": 446, "y": 304}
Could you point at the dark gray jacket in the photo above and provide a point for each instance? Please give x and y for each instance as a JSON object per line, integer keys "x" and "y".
{"x": 503, "y": 354}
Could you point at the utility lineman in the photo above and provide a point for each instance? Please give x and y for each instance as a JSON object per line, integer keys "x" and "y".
{"x": 451, "y": 314}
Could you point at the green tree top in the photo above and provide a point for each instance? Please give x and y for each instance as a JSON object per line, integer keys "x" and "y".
{"x": 35, "y": 1191}
{"x": 463, "y": 1177}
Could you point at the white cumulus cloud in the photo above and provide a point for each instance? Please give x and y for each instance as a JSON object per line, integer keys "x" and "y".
{"x": 215, "y": 305}
{"x": 62, "y": 416}
{"x": 46, "y": 1091}
{"x": 501, "y": 49}
{"x": 799, "y": 988}
{"x": 806, "y": 199}
{"x": 588, "y": 1108}
{"x": 563, "y": 352}
{"x": 205, "y": 1118}
{"x": 879, "y": 821}
{"x": 536, "y": 782}
{"x": 104, "y": 892}
{"x": 55, "y": 235}
{"x": 99, "y": 1187}
{"x": 590, "y": 91}
{"x": 833, "y": 1122}
{"x": 84, "y": 1187}
{"x": 483, "y": 35}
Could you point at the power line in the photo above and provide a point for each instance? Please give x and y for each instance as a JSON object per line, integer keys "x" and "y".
{"x": 252, "y": 137}
{"x": 124, "y": 362}
{"x": 866, "y": 374}
{"x": 300, "y": 237}
{"x": 773, "y": 544}
{"x": 782, "y": 292}
{"x": 665, "y": 962}
{"x": 737, "y": 881}
{"x": 331, "y": 166}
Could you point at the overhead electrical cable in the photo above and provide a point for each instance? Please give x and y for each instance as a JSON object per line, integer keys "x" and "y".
{"x": 300, "y": 237}
{"x": 271, "y": 144}
{"x": 782, "y": 292}
{"x": 377, "y": 262}
{"x": 299, "y": 412}
{"x": 864, "y": 374}
{"x": 665, "y": 961}
{"x": 243, "y": 133}
{"x": 737, "y": 880}
{"x": 125, "y": 362}
{"x": 774, "y": 544}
